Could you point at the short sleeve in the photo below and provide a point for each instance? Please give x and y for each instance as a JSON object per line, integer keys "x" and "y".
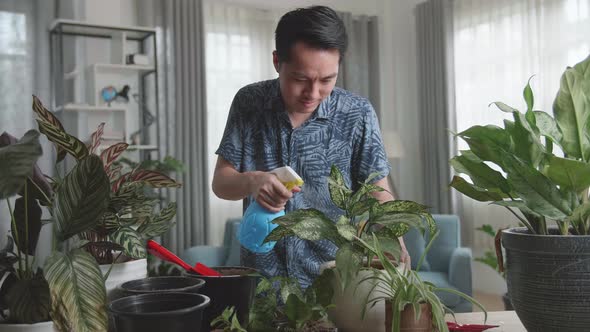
{"x": 369, "y": 153}
{"x": 231, "y": 146}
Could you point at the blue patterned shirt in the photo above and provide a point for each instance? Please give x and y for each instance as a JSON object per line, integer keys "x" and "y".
{"x": 343, "y": 131}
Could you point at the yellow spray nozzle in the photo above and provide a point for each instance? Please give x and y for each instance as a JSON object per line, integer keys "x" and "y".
{"x": 288, "y": 177}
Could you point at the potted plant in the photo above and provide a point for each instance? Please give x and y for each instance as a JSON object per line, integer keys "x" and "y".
{"x": 294, "y": 310}
{"x": 490, "y": 259}
{"x": 363, "y": 216}
{"x": 411, "y": 303}
{"x": 545, "y": 174}
{"x": 71, "y": 286}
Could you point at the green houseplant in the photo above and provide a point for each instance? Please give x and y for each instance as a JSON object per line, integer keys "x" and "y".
{"x": 542, "y": 170}
{"x": 93, "y": 209}
{"x": 411, "y": 302}
{"x": 294, "y": 310}
{"x": 362, "y": 217}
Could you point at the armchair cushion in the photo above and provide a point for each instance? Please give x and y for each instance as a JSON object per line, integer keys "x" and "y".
{"x": 208, "y": 255}
{"x": 441, "y": 280}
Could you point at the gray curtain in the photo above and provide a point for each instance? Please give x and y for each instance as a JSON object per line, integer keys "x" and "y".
{"x": 182, "y": 113}
{"x": 359, "y": 70}
{"x": 436, "y": 93}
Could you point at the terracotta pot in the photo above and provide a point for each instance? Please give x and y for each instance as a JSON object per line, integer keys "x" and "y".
{"x": 408, "y": 322}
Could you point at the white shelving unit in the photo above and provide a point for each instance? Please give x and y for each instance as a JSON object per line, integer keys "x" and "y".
{"x": 85, "y": 58}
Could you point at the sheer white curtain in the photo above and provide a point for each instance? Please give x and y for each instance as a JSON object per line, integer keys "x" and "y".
{"x": 498, "y": 45}
{"x": 239, "y": 43}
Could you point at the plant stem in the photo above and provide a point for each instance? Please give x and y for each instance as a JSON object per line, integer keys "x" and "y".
{"x": 526, "y": 223}
{"x": 41, "y": 191}
{"x": 20, "y": 263}
{"x": 27, "y": 229}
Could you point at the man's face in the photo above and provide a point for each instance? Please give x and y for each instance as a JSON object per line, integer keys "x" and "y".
{"x": 307, "y": 78}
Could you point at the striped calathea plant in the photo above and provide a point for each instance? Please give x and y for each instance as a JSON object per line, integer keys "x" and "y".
{"x": 540, "y": 164}
{"x": 94, "y": 209}
{"x": 363, "y": 215}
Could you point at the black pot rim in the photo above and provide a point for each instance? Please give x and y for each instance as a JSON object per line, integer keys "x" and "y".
{"x": 253, "y": 271}
{"x": 523, "y": 231}
{"x": 186, "y": 310}
{"x": 199, "y": 284}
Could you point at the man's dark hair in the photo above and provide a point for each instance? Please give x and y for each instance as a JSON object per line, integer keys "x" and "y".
{"x": 317, "y": 26}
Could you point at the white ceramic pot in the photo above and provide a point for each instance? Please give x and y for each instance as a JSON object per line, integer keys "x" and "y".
{"x": 347, "y": 314}
{"x": 39, "y": 327}
{"x": 121, "y": 273}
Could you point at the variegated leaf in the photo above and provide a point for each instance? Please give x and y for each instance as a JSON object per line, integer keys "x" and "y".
{"x": 117, "y": 185}
{"x": 17, "y": 162}
{"x": 110, "y": 221}
{"x": 76, "y": 279}
{"x": 110, "y": 154}
{"x": 28, "y": 300}
{"x": 46, "y": 116}
{"x": 155, "y": 179}
{"x": 71, "y": 144}
{"x": 132, "y": 242}
{"x": 160, "y": 224}
{"x": 339, "y": 193}
{"x": 95, "y": 138}
{"x": 82, "y": 198}
{"x": 114, "y": 172}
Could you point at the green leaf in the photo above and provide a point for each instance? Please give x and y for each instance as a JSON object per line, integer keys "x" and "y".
{"x": 63, "y": 140}
{"x": 391, "y": 218}
{"x": 323, "y": 287}
{"x": 28, "y": 223}
{"x": 160, "y": 224}
{"x": 571, "y": 109}
{"x": 17, "y": 162}
{"x": 308, "y": 224}
{"x": 403, "y": 206}
{"x": 28, "y": 300}
{"x": 131, "y": 241}
{"x": 345, "y": 229}
{"x": 489, "y": 143}
{"x": 488, "y": 229}
{"x": 525, "y": 136}
{"x": 348, "y": 263}
{"x": 504, "y": 108}
{"x": 568, "y": 173}
{"x": 580, "y": 218}
{"x": 393, "y": 231}
{"x": 489, "y": 259}
{"x": 390, "y": 245}
{"x": 76, "y": 280}
{"x": 82, "y": 198}
{"x": 548, "y": 127}
{"x": 297, "y": 311}
{"x": 46, "y": 116}
{"x": 339, "y": 192}
{"x": 536, "y": 190}
{"x": 474, "y": 192}
{"x": 481, "y": 174}
{"x": 528, "y": 96}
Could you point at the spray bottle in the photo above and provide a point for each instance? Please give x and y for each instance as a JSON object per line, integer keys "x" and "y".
{"x": 257, "y": 221}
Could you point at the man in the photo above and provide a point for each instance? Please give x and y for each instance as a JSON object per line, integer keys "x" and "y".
{"x": 303, "y": 121}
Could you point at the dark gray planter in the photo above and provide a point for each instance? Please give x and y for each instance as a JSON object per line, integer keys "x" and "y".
{"x": 548, "y": 279}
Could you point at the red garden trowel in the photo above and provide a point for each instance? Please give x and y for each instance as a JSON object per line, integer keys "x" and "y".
{"x": 157, "y": 250}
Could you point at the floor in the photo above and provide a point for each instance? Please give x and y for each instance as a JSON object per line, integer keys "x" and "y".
{"x": 492, "y": 302}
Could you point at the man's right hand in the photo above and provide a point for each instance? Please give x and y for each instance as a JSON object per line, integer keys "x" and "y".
{"x": 269, "y": 192}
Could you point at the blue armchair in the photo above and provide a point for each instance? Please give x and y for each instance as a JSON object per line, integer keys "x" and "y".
{"x": 447, "y": 264}
{"x": 228, "y": 254}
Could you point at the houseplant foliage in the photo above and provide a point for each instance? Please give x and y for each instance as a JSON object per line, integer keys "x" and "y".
{"x": 363, "y": 216}
{"x": 92, "y": 206}
{"x": 294, "y": 309}
{"x": 404, "y": 288}
{"x": 545, "y": 174}
{"x": 535, "y": 179}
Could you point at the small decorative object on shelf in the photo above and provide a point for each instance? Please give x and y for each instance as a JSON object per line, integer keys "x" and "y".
{"x": 108, "y": 94}
{"x": 137, "y": 59}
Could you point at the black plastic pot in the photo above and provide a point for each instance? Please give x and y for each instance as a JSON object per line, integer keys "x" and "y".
{"x": 236, "y": 287}
{"x": 159, "y": 312}
{"x": 151, "y": 285}
{"x": 548, "y": 279}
